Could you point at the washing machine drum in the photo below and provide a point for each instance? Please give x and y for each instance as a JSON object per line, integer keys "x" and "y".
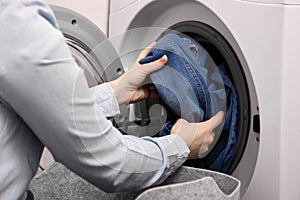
{"x": 89, "y": 46}
{"x": 222, "y": 53}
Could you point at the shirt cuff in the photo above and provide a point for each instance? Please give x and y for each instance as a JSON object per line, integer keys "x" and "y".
{"x": 106, "y": 100}
{"x": 174, "y": 153}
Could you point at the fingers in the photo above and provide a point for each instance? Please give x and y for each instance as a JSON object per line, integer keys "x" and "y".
{"x": 153, "y": 94}
{"x": 146, "y": 51}
{"x": 210, "y": 138}
{"x": 154, "y": 66}
{"x": 216, "y": 120}
{"x": 213, "y": 123}
{"x": 207, "y": 141}
{"x": 142, "y": 93}
{"x": 198, "y": 136}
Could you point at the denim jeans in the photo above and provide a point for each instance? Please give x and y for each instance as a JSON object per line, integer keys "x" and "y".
{"x": 195, "y": 89}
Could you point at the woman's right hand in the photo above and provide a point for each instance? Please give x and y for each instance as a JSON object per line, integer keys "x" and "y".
{"x": 198, "y": 136}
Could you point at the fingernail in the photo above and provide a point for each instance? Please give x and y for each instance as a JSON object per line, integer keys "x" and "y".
{"x": 164, "y": 59}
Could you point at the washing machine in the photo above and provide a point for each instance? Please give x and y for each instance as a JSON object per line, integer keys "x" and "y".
{"x": 259, "y": 41}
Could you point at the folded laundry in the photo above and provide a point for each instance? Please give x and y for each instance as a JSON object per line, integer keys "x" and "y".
{"x": 195, "y": 89}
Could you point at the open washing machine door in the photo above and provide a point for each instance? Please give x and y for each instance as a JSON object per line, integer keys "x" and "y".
{"x": 85, "y": 27}
{"x": 92, "y": 51}
{"x": 89, "y": 46}
{"x": 147, "y": 21}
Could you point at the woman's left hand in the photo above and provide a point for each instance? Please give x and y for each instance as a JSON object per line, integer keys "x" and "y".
{"x": 129, "y": 87}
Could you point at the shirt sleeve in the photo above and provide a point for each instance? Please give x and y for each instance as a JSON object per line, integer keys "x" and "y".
{"x": 172, "y": 149}
{"x": 106, "y": 100}
{"x": 174, "y": 153}
{"x": 46, "y": 88}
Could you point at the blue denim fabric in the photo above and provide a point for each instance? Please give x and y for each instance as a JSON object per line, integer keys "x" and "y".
{"x": 196, "y": 91}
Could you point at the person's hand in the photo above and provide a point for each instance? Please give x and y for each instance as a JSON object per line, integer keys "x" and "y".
{"x": 198, "y": 136}
{"x": 129, "y": 87}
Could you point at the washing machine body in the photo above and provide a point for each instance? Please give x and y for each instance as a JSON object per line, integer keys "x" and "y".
{"x": 258, "y": 40}
{"x": 94, "y": 10}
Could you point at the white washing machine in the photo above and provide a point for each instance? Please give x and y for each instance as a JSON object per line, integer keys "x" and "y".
{"x": 94, "y": 10}
{"x": 259, "y": 40}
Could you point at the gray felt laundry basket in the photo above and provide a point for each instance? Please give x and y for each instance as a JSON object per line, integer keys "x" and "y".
{"x": 59, "y": 183}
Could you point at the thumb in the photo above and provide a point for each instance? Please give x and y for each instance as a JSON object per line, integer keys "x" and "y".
{"x": 155, "y": 65}
{"x": 216, "y": 120}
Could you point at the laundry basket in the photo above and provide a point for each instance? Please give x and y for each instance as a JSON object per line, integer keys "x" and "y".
{"x": 59, "y": 183}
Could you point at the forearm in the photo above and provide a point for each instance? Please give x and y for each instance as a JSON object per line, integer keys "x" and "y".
{"x": 153, "y": 157}
{"x": 117, "y": 163}
{"x": 55, "y": 102}
{"x": 133, "y": 164}
{"x": 106, "y": 100}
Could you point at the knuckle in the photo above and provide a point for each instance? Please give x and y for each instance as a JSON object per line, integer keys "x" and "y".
{"x": 211, "y": 139}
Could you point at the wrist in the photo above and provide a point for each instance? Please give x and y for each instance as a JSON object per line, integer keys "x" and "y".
{"x": 113, "y": 84}
{"x": 120, "y": 96}
{"x": 183, "y": 129}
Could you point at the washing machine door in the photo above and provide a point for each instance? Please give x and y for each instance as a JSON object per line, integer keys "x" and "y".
{"x": 92, "y": 51}
{"x": 89, "y": 46}
{"x": 198, "y": 21}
